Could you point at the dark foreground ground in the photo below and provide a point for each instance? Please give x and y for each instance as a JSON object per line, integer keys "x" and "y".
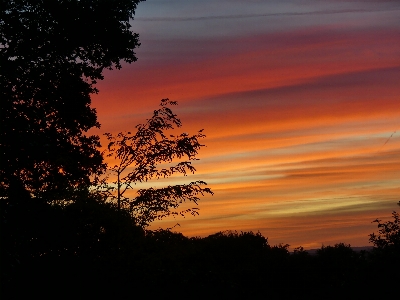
{"x": 59, "y": 255}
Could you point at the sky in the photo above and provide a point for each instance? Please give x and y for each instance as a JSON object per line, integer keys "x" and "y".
{"x": 299, "y": 101}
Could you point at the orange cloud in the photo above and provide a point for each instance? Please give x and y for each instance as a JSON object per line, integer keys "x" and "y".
{"x": 301, "y": 127}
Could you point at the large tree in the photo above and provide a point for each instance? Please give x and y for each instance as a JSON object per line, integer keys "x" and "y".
{"x": 51, "y": 55}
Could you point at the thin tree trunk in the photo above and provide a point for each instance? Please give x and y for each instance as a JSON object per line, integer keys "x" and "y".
{"x": 119, "y": 192}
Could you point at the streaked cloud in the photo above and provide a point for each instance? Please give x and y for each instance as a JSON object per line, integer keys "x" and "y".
{"x": 299, "y": 101}
{"x": 256, "y": 15}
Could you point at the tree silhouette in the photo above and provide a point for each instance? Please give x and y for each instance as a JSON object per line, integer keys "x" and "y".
{"x": 388, "y": 233}
{"x": 51, "y": 55}
{"x": 139, "y": 157}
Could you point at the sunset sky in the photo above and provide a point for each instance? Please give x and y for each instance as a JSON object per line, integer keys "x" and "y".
{"x": 300, "y": 102}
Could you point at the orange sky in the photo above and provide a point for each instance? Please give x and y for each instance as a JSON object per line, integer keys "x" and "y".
{"x": 301, "y": 112}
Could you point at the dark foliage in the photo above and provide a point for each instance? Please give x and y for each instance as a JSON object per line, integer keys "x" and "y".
{"x": 58, "y": 245}
{"x": 51, "y": 55}
{"x": 388, "y": 234}
{"x": 386, "y": 254}
{"x": 93, "y": 248}
{"x": 146, "y": 152}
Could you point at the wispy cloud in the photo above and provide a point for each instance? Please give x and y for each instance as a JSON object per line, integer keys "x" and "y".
{"x": 299, "y": 112}
{"x": 257, "y": 15}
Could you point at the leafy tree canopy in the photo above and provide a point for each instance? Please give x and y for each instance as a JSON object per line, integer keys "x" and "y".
{"x": 51, "y": 55}
{"x": 150, "y": 152}
{"x": 388, "y": 234}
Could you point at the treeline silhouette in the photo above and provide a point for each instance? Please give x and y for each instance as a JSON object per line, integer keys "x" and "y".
{"x": 93, "y": 249}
